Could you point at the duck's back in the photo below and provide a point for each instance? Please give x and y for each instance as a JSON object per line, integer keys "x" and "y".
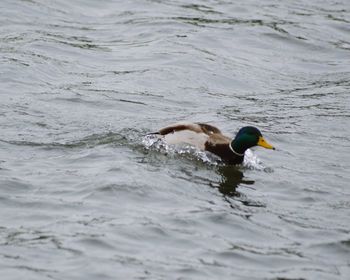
{"x": 196, "y": 134}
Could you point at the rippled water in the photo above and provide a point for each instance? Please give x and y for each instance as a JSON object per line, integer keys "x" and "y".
{"x": 83, "y": 197}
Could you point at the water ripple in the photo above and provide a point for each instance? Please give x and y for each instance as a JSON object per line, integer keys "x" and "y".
{"x": 82, "y": 82}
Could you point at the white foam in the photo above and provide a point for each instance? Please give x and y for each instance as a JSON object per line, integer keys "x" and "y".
{"x": 251, "y": 161}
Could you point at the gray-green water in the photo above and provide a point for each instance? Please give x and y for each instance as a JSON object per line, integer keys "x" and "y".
{"x": 81, "y": 83}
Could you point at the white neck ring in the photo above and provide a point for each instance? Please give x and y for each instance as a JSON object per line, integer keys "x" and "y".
{"x": 238, "y": 154}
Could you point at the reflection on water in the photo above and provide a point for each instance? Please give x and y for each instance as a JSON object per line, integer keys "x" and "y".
{"x": 230, "y": 183}
{"x": 231, "y": 178}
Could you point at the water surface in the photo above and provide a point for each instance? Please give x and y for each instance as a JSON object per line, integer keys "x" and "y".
{"x": 83, "y": 197}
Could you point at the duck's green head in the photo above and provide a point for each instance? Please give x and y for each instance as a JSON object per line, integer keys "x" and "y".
{"x": 248, "y": 137}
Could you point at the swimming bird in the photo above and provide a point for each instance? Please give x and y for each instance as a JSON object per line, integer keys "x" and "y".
{"x": 209, "y": 138}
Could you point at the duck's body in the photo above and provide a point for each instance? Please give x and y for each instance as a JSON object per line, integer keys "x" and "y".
{"x": 209, "y": 138}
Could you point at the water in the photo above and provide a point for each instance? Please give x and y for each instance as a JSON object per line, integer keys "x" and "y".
{"x": 83, "y": 197}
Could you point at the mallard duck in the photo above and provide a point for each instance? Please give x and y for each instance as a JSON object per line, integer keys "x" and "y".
{"x": 209, "y": 138}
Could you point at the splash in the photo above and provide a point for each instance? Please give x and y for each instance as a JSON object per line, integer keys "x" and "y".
{"x": 154, "y": 142}
{"x": 251, "y": 161}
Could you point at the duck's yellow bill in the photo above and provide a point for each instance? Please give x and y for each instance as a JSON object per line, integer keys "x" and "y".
{"x": 263, "y": 143}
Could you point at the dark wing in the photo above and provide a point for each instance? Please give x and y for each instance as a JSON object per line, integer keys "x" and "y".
{"x": 181, "y": 126}
{"x": 209, "y": 129}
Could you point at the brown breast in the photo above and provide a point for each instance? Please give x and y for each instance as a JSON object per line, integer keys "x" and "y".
{"x": 224, "y": 152}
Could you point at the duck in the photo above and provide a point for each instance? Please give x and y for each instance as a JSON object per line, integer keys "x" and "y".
{"x": 209, "y": 138}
